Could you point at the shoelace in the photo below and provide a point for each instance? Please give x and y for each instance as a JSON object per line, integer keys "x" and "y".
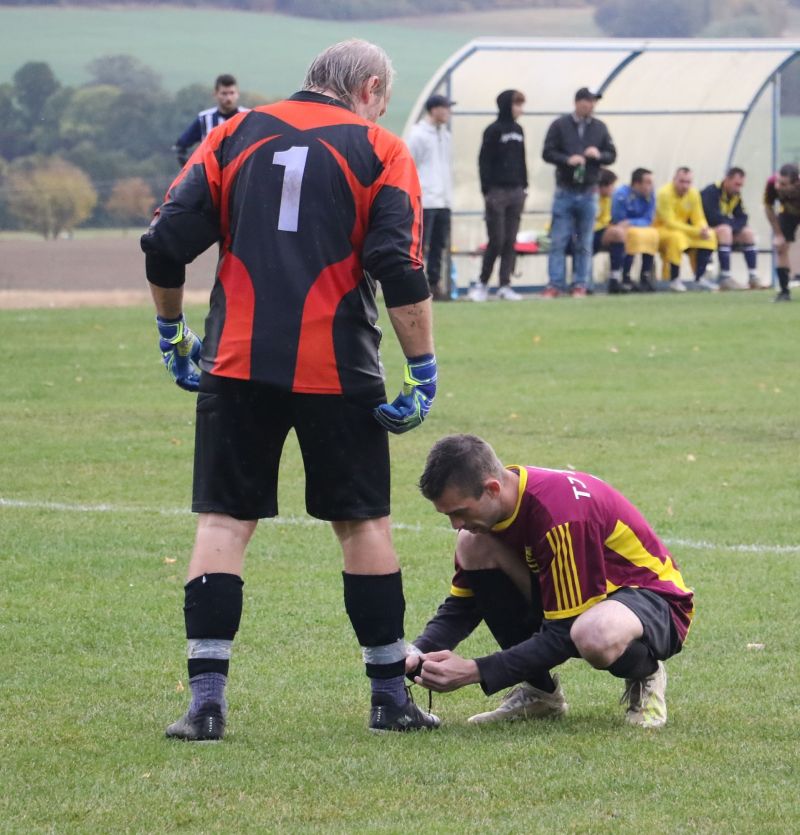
{"x": 627, "y": 696}
{"x": 411, "y": 698}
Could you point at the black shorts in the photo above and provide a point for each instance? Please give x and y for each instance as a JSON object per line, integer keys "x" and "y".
{"x": 241, "y": 429}
{"x": 788, "y": 224}
{"x": 597, "y": 241}
{"x": 654, "y": 612}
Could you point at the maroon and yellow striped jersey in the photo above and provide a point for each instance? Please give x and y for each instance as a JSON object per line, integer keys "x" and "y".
{"x": 310, "y": 206}
{"x": 583, "y": 540}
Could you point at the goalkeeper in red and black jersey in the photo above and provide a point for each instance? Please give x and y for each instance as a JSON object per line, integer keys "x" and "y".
{"x": 310, "y": 204}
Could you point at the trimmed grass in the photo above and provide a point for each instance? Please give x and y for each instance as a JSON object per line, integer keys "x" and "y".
{"x": 687, "y": 404}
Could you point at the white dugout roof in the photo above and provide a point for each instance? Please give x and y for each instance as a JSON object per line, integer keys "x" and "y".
{"x": 707, "y": 104}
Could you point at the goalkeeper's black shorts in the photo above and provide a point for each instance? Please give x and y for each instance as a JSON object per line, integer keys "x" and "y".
{"x": 240, "y": 432}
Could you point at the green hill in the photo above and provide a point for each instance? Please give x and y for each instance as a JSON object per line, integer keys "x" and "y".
{"x": 268, "y": 53}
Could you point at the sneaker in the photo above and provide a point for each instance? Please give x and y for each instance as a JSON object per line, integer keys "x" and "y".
{"x": 614, "y": 287}
{"x": 677, "y": 286}
{"x": 478, "y": 292}
{"x": 727, "y": 282}
{"x": 628, "y": 286}
{"x": 409, "y": 717}
{"x": 647, "y": 706}
{"x": 646, "y": 283}
{"x": 578, "y": 292}
{"x": 783, "y": 296}
{"x": 753, "y": 281}
{"x": 207, "y": 726}
{"x": 707, "y": 284}
{"x": 550, "y": 292}
{"x": 508, "y": 294}
{"x": 525, "y": 702}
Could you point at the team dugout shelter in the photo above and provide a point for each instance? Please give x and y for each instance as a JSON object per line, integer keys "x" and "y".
{"x": 706, "y": 104}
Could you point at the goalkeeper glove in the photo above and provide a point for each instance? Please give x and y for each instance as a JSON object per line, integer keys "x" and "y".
{"x": 180, "y": 349}
{"x": 410, "y": 407}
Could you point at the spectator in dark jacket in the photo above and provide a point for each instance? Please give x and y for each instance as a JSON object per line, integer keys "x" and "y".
{"x": 504, "y": 183}
{"x": 724, "y": 211}
{"x": 578, "y": 145}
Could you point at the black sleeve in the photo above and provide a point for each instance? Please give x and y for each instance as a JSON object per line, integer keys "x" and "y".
{"x": 389, "y": 254}
{"x": 739, "y": 217}
{"x": 486, "y": 158}
{"x": 552, "y": 151}
{"x": 546, "y": 649}
{"x": 608, "y": 152}
{"x": 710, "y": 197}
{"x": 454, "y": 621}
{"x": 186, "y": 225}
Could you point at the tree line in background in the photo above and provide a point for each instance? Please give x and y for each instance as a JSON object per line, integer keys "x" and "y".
{"x": 324, "y": 9}
{"x": 693, "y": 18}
{"x": 98, "y": 154}
{"x": 621, "y": 18}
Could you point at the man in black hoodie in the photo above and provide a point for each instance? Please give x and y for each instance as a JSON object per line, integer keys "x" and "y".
{"x": 579, "y": 146}
{"x": 504, "y": 181}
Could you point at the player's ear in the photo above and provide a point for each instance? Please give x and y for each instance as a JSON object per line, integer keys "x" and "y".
{"x": 492, "y": 487}
{"x": 369, "y": 88}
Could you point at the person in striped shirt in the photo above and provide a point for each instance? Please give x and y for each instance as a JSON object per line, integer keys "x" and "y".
{"x": 560, "y": 565}
{"x": 226, "y": 92}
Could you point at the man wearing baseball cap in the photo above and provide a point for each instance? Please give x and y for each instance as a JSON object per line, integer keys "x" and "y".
{"x": 429, "y": 143}
{"x": 579, "y": 146}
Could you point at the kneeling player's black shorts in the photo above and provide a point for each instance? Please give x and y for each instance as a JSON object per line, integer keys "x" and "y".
{"x": 239, "y": 437}
{"x": 788, "y": 224}
{"x": 653, "y": 611}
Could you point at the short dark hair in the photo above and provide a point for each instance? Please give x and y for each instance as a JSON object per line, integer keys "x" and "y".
{"x": 790, "y": 170}
{"x": 639, "y": 174}
{"x": 607, "y": 177}
{"x": 735, "y": 171}
{"x": 461, "y": 461}
{"x": 683, "y": 169}
{"x": 224, "y": 80}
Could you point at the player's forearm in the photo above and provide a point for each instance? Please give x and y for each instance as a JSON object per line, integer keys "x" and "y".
{"x": 454, "y": 621}
{"x": 168, "y": 300}
{"x": 772, "y": 219}
{"x": 413, "y": 325}
{"x": 543, "y": 651}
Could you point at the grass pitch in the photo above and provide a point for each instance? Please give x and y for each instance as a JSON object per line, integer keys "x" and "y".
{"x": 688, "y": 404}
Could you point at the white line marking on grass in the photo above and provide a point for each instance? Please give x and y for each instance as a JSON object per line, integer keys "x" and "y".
{"x": 307, "y": 521}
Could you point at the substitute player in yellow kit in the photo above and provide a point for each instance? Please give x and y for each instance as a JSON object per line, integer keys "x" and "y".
{"x": 682, "y": 226}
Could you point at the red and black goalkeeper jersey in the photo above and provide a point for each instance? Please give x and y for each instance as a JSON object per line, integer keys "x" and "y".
{"x": 583, "y": 540}
{"x": 310, "y": 205}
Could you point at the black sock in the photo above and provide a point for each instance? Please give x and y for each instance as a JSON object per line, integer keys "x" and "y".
{"x": 212, "y": 611}
{"x": 783, "y": 278}
{"x": 674, "y": 271}
{"x": 376, "y": 608}
{"x": 636, "y": 662}
{"x": 702, "y": 257}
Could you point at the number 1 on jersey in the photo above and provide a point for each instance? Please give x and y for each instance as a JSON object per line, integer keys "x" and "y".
{"x": 294, "y": 161}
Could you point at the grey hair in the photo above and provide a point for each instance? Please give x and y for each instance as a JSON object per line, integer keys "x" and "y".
{"x": 341, "y": 69}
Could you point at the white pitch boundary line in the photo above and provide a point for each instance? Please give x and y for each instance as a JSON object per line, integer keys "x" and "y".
{"x": 306, "y": 521}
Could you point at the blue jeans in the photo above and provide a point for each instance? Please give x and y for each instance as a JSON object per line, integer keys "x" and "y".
{"x": 574, "y": 214}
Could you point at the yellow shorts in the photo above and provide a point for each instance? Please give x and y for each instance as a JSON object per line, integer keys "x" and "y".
{"x": 641, "y": 239}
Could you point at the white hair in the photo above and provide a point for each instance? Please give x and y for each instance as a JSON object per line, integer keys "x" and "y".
{"x": 343, "y": 68}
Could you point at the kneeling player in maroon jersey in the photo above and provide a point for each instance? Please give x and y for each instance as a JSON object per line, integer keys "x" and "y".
{"x": 560, "y": 565}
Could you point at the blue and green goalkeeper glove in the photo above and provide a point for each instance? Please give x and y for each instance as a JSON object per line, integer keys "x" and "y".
{"x": 180, "y": 349}
{"x": 410, "y": 407}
